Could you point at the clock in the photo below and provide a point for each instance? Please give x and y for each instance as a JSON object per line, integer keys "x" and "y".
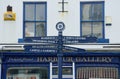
{"x": 60, "y": 26}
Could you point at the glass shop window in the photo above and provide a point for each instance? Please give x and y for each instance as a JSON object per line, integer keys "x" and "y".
{"x": 34, "y": 19}
{"x": 27, "y": 73}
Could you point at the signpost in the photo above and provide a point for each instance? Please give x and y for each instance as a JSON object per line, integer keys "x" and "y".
{"x": 73, "y": 49}
{"x": 55, "y": 44}
{"x": 41, "y": 48}
{"x": 60, "y": 27}
{"x": 65, "y": 39}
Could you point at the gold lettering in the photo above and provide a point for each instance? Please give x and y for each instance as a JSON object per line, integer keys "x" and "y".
{"x": 50, "y": 59}
{"x": 45, "y": 59}
{"x": 40, "y": 59}
{"x": 70, "y": 59}
{"x": 77, "y": 59}
{"x": 92, "y": 59}
{"x": 64, "y": 59}
{"x": 84, "y": 59}
{"x": 109, "y": 59}
{"x": 88, "y": 59}
{"x": 97, "y": 59}
{"x": 104, "y": 59}
{"x": 67, "y": 59}
{"x": 55, "y": 59}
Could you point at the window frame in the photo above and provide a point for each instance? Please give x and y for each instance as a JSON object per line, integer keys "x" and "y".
{"x": 34, "y": 21}
{"x": 93, "y": 21}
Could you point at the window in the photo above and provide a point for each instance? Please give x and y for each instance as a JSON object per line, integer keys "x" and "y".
{"x": 34, "y": 19}
{"x": 92, "y": 19}
{"x": 27, "y": 73}
{"x": 97, "y": 73}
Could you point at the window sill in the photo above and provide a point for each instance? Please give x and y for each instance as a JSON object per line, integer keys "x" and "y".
{"x": 102, "y": 40}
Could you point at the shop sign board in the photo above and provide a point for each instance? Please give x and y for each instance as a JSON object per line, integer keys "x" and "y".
{"x": 89, "y": 59}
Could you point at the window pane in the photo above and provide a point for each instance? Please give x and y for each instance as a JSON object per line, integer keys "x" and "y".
{"x": 40, "y": 12}
{"x": 29, "y": 29}
{"x": 97, "y": 12}
{"x": 92, "y": 12}
{"x": 86, "y": 13}
{"x": 65, "y": 70}
{"x": 86, "y": 29}
{"x": 40, "y": 29}
{"x": 97, "y": 29}
{"x": 29, "y": 12}
{"x": 27, "y": 73}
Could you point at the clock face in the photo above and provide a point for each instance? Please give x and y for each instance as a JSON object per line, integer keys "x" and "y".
{"x": 60, "y": 26}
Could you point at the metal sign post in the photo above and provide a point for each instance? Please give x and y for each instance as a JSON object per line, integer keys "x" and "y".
{"x": 55, "y": 44}
{"x": 60, "y": 27}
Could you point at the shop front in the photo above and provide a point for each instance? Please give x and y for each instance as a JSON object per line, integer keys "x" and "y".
{"x": 74, "y": 65}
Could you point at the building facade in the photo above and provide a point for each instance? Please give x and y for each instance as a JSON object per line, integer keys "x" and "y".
{"x": 54, "y": 39}
{"x": 81, "y": 12}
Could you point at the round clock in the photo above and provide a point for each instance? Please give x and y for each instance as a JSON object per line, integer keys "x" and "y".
{"x": 60, "y": 26}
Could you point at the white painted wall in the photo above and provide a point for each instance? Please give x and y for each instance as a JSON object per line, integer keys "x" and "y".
{"x": 112, "y": 9}
{"x": 10, "y": 31}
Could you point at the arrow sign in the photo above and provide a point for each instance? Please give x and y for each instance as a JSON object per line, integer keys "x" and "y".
{"x": 73, "y": 49}
{"x": 40, "y": 48}
{"x": 50, "y": 48}
{"x": 45, "y": 39}
{"x": 65, "y": 39}
{"x": 77, "y": 39}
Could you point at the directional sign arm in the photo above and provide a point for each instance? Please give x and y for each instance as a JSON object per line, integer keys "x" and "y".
{"x": 73, "y": 49}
